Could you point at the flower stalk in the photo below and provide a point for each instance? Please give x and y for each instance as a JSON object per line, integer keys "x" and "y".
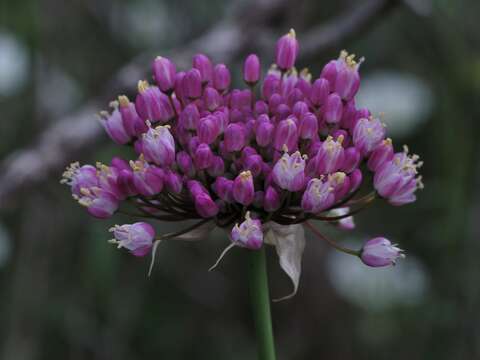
{"x": 261, "y": 304}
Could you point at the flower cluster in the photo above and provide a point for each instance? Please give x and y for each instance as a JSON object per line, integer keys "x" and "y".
{"x": 285, "y": 149}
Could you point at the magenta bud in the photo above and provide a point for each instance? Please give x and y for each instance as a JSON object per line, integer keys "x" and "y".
{"x": 356, "y": 178}
{"x": 234, "y": 137}
{"x": 349, "y": 116}
{"x": 288, "y": 172}
{"x": 308, "y": 126}
{"x": 351, "y": 159}
{"x": 125, "y": 183}
{"x": 300, "y": 108}
{"x": 185, "y": 163}
{"x": 223, "y": 187}
{"x": 164, "y": 73}
{"x": 271, "y": 201}
{"x": 192, "y": 84}
{"x": 287, "y": 51}
{"x": 254, "y": 164}
{"x": 211, "y": 98}
{"x": 271, "y": 85}
{"x": 203, "y": 157}
{"x": 196, "y": 188}
{"x": 173, "y": 182}
{"x": 205, "y": 206}
{"x": 207, "y": 129}
{"x": 179, "y": 86}
{"x": 159, "y": 146}
{"x": 203, "y": 64}
{"x": 264, "y": 133}
{"x": 251, "y": 69}
{"x": 380, "y": 155}
{"x": 368, "y": 134}
{"x": 248, "y": 234}
{"x": 221, "y": 78}
{"x": 320, "y": 92}
{"x": 137, "y": 238}
{"x": 217, "y": 167}
{"x": 189, "y": 117}
{"x": 153, "y": 105}
{"x": 379, "y": 252}
{"x": 333, "y": 109}
{"x": 286, "y": 134}
{"x": 193, "y": 145}
{"x": 261, "y": 107}
{"x": 132, "y": 123}
{"x": 113, "y": 125}
{"x": 243, "y": 190}
{"x": 329, "y": 72}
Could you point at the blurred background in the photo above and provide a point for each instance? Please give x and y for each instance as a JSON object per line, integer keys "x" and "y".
{"x": 67, "y": 294}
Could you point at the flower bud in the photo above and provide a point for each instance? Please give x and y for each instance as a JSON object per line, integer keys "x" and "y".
{"x": 132, "y": 123}
{"x": 185, "y": 163}
{"x": 179, "y": 86}
{"x": 243, "y": 190}
{"x": 173, "y": 182}
{"x": 368, "y": 134}
{"x": 288, "y": 172}
{"x": 381, "y": 154}
{"x": 217, "y": 167}
{"x": 287, "y": 51}
{"x": 286, "y": 134}
{"x": 271, "y": 85}
{"x": 299, "y": 109}
{"x": 189, "y": 117}
{"x": 253, "y": 163}
{"x": 351, "y": 160}
{"x": 308, "y": 126}
{"x": 207, "y": 130}
{"x": 356, "y": 178}
{"x": 211, "y": 98}
{"x": 248, "y": 234}
{"x": 126, "y": 184}
{"x": 100, "y": 203}
{"x": 251, "y": 69}
{"x": 379, "y": 252}
{"x": 349, "y": 116}
{"x": 271, "y": 201}
{"x": 234, "y": 137}
{"x": 195, "y": 188}
{"x": 113, "y": 125}
{"x": 153, "y": 105}
{"x": 164, "y": 73}
{"x": 203, "y": 64}
{"x": 320, "y": 92}
{"x": 205, "y": 206}
{"x": 333, "y": 109}
{"x": 192, "y": 84}
{"x": 137, "y": 237}
{"x": 159, "y": 146}
{"x": 221, "y": 78}
{"x": 203, "y": 157}
{"x": 223, "y": 187}
{"x": 261, "y": 107}
{"x": 329, "y": 72}
{"x": 264, "y": 133}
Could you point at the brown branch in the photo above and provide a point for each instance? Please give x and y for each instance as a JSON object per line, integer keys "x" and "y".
{"x": 72, "y": 136}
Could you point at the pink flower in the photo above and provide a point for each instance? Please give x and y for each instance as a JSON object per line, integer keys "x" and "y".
{"x": 248, "y": 234}
{"x": 379, "y": 252}
{"x": 137, "y": 237}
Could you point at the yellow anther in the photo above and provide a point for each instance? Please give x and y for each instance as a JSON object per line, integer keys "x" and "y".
{"x": 123, "y": 101}
{"x": 142, "y": 85}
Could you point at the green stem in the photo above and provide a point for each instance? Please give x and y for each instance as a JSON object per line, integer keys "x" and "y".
{"x": 261, "y": 304}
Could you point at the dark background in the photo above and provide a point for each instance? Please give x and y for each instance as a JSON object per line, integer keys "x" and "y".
{"x": 65, "y": 293}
